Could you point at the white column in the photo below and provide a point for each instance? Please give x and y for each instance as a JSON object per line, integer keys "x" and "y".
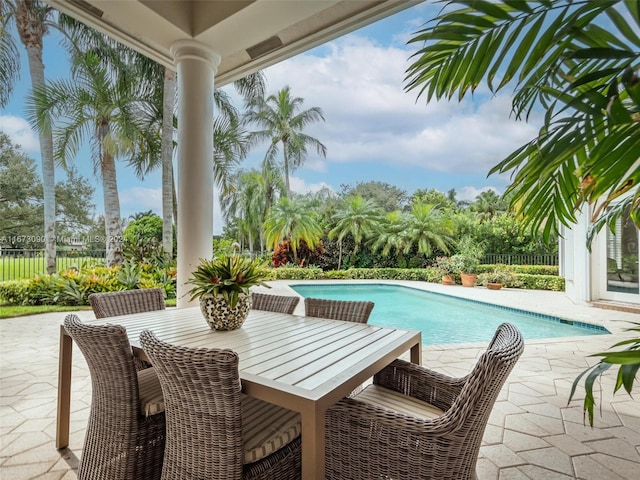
{"x": 196, "y": 65}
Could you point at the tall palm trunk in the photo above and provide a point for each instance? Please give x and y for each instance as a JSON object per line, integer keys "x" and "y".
{"x": 112, "y": 223}
{"x": 167, "y": 161}
{"x": 286, "y": 166}
{"x": 31, "y": 30}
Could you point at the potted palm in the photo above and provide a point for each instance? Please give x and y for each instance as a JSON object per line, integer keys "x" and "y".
{"x": 222, "y": 286}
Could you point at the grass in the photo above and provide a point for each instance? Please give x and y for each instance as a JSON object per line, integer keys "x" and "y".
{"x": 11, "y": 311}
{"x": 18, "y": 268}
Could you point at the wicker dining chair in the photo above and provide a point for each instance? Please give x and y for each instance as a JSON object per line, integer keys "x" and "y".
{"x": 274, "y": 303}
{"x": 125, "y": 434}
{"x": 414, "y": 423}
{"x": 112, "y": 304}
{"x": 347, "y": 310}
{"x": 214, "y": 431}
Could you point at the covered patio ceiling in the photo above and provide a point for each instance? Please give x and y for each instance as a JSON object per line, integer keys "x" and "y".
{"x": 248, "y": 35}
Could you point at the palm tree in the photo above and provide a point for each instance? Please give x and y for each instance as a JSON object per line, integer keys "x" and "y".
{"x": 244, "y": 206}
{"x": 282, "y": 122}
{"x": 102, "y": 105}
{"x": 359, "y": 218}
{"x": 428, "y": 229}
{"x": 250, "y": 201}
{"x": 32, "y": 21}
{"x": 390, "y": 235}
{"x": 291, "y": 220}
{"x": 488, "y": 204}
{"x": 579, "y": 60}
{"x": 9, "y": 64}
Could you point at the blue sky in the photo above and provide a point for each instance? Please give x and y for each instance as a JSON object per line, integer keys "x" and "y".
{"x": 374, "y": 130}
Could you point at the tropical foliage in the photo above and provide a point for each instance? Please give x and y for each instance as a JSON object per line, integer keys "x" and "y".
{"x": 290, "y": 220}
{"x": 282, "y": 122}
{"x": 579, "y": 61}
{"x": 628, "y": 361}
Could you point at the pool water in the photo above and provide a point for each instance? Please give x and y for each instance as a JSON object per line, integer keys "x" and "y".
{"x": 445, "y": 319}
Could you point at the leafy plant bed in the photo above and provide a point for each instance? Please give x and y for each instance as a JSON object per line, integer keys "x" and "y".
{"x": 74, "y": 288}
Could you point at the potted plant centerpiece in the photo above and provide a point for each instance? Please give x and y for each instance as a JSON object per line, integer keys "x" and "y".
{"x": 222, "y": 285}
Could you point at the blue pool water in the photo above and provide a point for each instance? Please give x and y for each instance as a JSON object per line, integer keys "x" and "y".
{"x": 445, "y": 319}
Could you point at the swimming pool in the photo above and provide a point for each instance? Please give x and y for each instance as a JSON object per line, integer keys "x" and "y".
{"x": 445, "y": 319}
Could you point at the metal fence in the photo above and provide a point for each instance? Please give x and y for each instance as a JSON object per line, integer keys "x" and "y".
{"x": 17, "y": 263}
{"x": 521, "y": 259}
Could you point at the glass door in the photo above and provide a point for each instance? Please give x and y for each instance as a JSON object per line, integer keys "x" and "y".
{"x": 622, "y": 261}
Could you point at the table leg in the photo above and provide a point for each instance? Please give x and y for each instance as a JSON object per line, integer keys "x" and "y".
{"x": 64, "y": 390}
{"x": 416, "y": 352}
{"x": 313, "y": 444}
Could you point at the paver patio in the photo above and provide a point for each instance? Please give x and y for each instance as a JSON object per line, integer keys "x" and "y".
{"x": 532, "y": 433}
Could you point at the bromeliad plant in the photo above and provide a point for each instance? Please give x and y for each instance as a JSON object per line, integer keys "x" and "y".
{"x": 227, "y": 275}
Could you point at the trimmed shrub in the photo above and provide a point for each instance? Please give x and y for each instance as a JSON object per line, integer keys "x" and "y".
{"x": 539, "y": 282}
{"x": 528, "y": 269}
{"x": 296, "y": 273}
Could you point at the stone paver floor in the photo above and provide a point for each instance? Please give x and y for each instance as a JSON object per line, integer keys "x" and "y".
{"x": 532, "y": 432}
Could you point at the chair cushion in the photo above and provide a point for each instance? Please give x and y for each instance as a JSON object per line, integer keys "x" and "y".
{"x": 266, "y": 428}
{"x": 397, "y": 402}
{"x": 151, "y": 399}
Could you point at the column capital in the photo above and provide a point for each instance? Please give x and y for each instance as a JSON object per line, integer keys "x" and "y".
{"x": 186, "y": 49}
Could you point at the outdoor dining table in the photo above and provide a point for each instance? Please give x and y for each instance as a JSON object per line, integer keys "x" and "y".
{"x": 305, "y": 364}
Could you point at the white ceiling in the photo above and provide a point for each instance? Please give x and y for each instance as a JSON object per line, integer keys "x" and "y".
{"x": 249, "y": 35}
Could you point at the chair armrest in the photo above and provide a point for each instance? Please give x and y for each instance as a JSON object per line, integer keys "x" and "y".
{"x": 418, "y": 382}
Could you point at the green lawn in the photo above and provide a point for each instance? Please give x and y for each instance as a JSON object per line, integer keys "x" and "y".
{"x": 10, "y": 311}
{"x": 28, "y": 267}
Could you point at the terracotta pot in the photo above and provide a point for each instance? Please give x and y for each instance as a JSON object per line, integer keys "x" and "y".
{"x": 468, "y": 279}
{"x": 494, "y": 286}
{"x": 220, "y": 316}
{"x": 448, "y": 280}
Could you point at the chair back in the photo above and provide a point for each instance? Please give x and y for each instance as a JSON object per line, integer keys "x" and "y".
{"x": 108, "y": 353}
{"x": 472, "y": 408}
{"x": 274, "y": 303}
{"x": 112, "y": 304}
{"x": 202, "y": 395}
{"x": 347, "y": 310}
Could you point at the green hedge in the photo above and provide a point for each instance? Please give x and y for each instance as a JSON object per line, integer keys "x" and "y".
{"x": 73, "y": 288}
{"x": 538, "y": 282}
{"x": 527, "y": 269}
{"x": 519, "y": 280}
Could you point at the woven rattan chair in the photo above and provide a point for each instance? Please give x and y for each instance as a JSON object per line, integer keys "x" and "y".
{"x": 126, "y": 430}
{"x": 349, "y": 311}
{"x": 112, "y": 304}
{"x": 274, "y": 303}
{"x": 214, "y": 431}
{"x": 413, "y": 423}
{"x": 125, "y": 302}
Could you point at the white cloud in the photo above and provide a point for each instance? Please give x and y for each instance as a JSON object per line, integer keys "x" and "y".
{"x": 298, "y": 185}
{"x": 470, "y": 193}
{"x": 20, "y": 132}
{"x": 359, "y": 85}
